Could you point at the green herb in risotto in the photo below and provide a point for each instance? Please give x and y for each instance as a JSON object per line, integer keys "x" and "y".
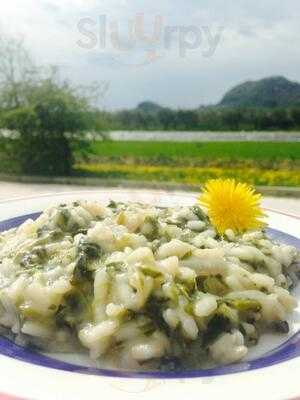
{"x": 142, "y": 287}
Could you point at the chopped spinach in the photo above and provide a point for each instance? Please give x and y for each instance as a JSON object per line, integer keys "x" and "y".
{"x": 214, "y": 285}
{"x": 64, "y": 218}
{"x": 244, "y": 304}
{"x": 187, "y": 236}
{"x": 70, "y": 312}
{"x": 280, "y": 326}
{"x": 229, "y": 313}
{"x": 45, "y": 234}
{"x": 151, "y": 236}
{"x": 170, "y": 364}
{"x": 150, "y": 271}
{"x": 115, "y": 267}
{"x": 182, "y": 290}
{"x": 112, "y": 204}
{"x": 86, "y": 252}
{"x": 82, "y": 230}
{"x": 217, "y": 325}
{"x": 154, "y": 309}
{"x": 81, "y": 271}
{"x": 187, "y": 255}
{"x": 148, "y": 328}
{"x": 34, "y": 258}
{"x": 199, "y": 213}
{"x": 91, "y": 250}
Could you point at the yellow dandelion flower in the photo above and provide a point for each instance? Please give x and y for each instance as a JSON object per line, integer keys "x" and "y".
{"x": 232, "y": 205}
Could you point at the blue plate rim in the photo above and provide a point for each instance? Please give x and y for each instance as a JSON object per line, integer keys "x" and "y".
{"x": 286, "y": 351}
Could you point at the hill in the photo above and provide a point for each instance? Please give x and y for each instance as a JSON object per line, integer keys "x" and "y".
{"x": 275, "y": 91}
{"x": 149, "y": 107}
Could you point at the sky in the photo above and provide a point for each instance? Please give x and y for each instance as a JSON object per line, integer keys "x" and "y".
{"x": 178, "y": 53}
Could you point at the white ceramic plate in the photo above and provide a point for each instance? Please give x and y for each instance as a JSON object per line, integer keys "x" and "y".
{"x": 271, "y": 370}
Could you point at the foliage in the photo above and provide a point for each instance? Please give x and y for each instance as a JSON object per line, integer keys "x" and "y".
{"x": 21, "y": 119}
{"x": 49, "y": 118}
{"x": 45, "y": 129}
{"x": 207, "y": 119}
{"x": 17, "y": 71}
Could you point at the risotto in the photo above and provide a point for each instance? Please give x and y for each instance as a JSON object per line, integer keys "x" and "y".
{"x": 142, "y": 287}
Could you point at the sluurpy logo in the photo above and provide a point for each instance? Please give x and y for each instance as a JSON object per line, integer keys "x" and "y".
{"x": 144, "y": 40}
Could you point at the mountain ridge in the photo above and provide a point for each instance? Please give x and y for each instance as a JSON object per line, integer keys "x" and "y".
{"x": 274, "y": 91}
{"x": 270, "y": 92}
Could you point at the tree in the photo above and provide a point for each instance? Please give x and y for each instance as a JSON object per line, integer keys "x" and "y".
{"x": 187, "y": 119}
{"x": 50, "y": 118}
{"x": 17, "y": 70}
{"x": 166, "y": 118}
{"x": 295, "y": 115}
{"x": 231, "y": 119}
{"x": 281, "y": 119}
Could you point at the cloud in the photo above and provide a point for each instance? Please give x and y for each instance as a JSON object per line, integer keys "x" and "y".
{"x": 258, "y": 39}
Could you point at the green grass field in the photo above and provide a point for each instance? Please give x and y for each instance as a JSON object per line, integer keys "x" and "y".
{"x": 213, "y": 153}
{"x": 260, "y": 163}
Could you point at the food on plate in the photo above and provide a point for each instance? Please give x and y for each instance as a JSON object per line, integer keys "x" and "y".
{"x": 142, "y": 287}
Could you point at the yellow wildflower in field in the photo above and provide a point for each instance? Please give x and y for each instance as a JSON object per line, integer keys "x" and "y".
{"x": 232, "y": 205}
{"x": 193, "y": 176}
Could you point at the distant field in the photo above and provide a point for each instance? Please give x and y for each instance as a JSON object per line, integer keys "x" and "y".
{"x": 199, "y": 153}
{"x": 189, "y": 175}
{"x": 274, "y": 164}
{"x": 260, "y": 163}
